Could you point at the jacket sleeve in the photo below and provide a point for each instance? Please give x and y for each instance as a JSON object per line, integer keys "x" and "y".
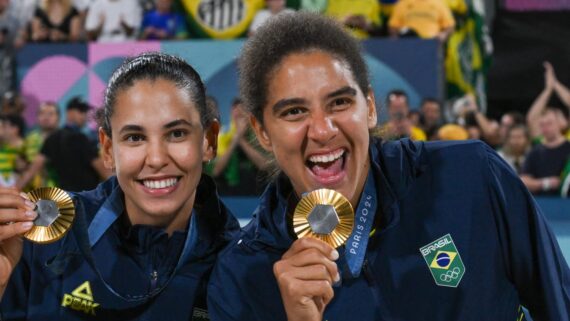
{"x": 531, "y": 253}
{"x": 15, "y": 300}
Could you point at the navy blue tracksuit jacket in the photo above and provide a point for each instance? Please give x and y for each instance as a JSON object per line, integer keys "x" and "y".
{"x": 55, "y": 281}
{"x": 459, "y": 192}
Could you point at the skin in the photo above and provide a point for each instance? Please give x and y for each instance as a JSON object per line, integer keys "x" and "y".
{"x": 516, "y": 142}
{"x": 431, "y": 112}
{"x": 48, "y": 118}
{"x": 551, "y": 131}
{"x": 315, "y": 107}
{"x": 150, "y": 143}
{"x": 147, "y": 142}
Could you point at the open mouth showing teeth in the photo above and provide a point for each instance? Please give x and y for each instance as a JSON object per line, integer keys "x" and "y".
{"x": 327, "y": 165}
{"x": 160, "y": 183}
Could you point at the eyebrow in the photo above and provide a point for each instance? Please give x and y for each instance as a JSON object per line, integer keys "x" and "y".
{"x": 177, "y": 122}
{"x": 347, "y": 90}
{"x": 287, "y": 102}
{"x": 172, "y": 124}
{"x": 131, "y": 128}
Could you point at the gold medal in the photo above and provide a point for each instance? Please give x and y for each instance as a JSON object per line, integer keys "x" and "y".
{"x": 326, "y": 215}
{"x": 56, "y": 212}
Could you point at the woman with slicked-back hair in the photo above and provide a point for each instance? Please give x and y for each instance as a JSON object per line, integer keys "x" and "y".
{"x": 143, "y": 243}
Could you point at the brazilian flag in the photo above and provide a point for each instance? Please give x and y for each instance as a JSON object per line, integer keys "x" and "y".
{"x": 468, "y": 52}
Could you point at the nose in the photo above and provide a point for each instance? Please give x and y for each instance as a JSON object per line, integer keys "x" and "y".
{"x": 322, "y": 127}
{"x": 156, "y": 155}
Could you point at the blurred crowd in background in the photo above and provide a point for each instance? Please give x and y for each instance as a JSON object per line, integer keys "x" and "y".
{"x": 535, "y": 144}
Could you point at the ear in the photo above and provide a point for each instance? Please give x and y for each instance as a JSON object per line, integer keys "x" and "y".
{"x": 262, "y": 136}
{"x": 106, "y": 149}
{"x": 371, "y": 104}
{"x": 210, "y": 143}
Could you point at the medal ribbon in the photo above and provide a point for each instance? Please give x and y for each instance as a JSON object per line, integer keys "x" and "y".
{"x": 363, "y": 220}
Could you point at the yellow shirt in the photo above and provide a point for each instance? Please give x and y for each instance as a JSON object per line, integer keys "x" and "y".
{"x": 426, "y": 17}
{"x": 342, "y": 9}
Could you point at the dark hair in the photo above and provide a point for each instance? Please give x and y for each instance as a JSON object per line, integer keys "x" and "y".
{"x": 212, "y": 108}
{"x": 395, "y": 92}
{"x": 518, "y": 117}
{"x": 430, "y": 100}
{"x": 17, "y": 121}
{"x": 153, "y": 66}
{"x": 79, "y": 104}
{"x": 286, "y": 34}
{"x": 237, "y": 101}
{"x": 521, "y": 127}
{"x": 53, "y": 104}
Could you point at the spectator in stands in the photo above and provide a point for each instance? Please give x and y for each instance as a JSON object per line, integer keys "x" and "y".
{"x": 76, "y": 105}
{"x": 361, "y": 17}
{"x": 10, "y": 39}
{"x": 48, "y": 122}
{"x": 12, "y": 160}
{"x": 508, "y": 120}
{"x": 273, "y": 7}
{"x": 238, "y": 161}
{"x": 24, "y": 11}
{"x": 476, "y": 123}
{"x": 68, "y": 152}
{"x": 430, "y": 119}
{"x": 516, "y": 146}
{"x": 12, "y": 104}
{"x": 113, "y": 20}
{"x": 162, "y": 23}
{"x": 428, "y": 19}
{"x": 399, "y": 125}
{"x": 55, "y": 21}
{"x": 551, "y": 85}
{"x": 545, "y": 162}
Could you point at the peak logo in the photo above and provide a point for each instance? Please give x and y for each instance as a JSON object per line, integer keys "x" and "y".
{"x": 80, "y": 299}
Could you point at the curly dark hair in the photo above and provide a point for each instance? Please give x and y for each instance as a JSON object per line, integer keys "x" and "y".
{"x": 294, "y": 33}
{"x": 152, "y": 66}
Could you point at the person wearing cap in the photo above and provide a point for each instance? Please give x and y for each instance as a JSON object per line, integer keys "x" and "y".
{"x": 69, "y": 153}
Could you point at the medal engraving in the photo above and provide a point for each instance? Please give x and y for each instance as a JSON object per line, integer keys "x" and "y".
{"x": 47, "y": 213}
{"x": 323, "y": 219}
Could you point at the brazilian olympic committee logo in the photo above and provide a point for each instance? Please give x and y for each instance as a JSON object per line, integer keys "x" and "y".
{"x": 444, "y": 261}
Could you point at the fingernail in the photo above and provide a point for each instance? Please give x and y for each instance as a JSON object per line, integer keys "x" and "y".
{"x": 337, "y": 281}
{"x": 30, "y": 204}
{"x": 24, "y": 196}
{"x": 27, "y": 225}
{"x": 31, "y": 214}
{"x": 334, "y": 255}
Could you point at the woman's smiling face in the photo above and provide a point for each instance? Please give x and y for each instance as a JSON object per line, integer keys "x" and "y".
{"x": 157, "y": 149}
{"x": 316, "y": 122}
